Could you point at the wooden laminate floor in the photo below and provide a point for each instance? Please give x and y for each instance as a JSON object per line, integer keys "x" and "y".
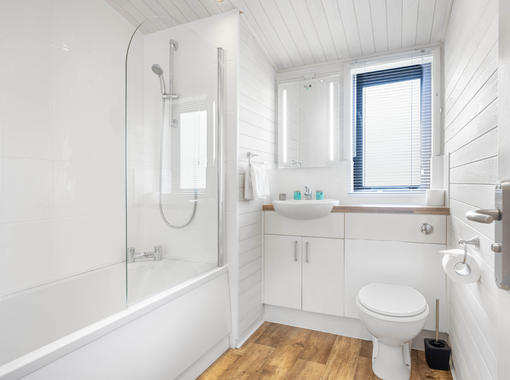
{"x": 277, "y": 351}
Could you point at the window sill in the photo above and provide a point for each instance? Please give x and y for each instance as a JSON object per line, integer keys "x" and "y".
{"x": 388, "y": 192}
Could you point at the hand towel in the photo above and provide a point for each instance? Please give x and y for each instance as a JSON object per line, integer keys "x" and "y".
{"x": 248, "y": 188}
{"x": 259, "y": 181}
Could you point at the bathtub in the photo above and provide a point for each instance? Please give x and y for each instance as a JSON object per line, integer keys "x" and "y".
{"x": 158, "y": 336}
{"x": 146, "y": 278}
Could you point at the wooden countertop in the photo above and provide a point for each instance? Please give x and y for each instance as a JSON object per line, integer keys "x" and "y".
{"x": 384, "y": 209}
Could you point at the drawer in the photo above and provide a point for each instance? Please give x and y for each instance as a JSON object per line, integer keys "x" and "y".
{"x": 395, "y": 227}
{"x": 331, "y": 226}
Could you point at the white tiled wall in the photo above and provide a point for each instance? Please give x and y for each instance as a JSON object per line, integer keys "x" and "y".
{"x": 256, "y": 134}
{"x": 61, "y": 157}
{"x": 471, "y": 101}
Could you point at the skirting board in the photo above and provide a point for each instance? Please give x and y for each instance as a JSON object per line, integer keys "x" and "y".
{"x": 206, "y": 360}
{"x": 250, "y": 331}
{"x": 344, "y": 326}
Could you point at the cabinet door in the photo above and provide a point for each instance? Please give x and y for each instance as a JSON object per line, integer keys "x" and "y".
{"x": 282, "y": 271}
{"x": 323, "y": 275}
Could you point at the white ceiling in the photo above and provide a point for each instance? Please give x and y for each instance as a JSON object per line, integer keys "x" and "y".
{"x": 301, "y": 32}
{"x": 161, "y": 14}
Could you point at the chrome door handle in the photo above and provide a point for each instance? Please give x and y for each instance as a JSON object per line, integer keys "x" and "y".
{"x": 307, "y": 252}
{"x": 295, "y": 250}
{"x": 485, "y": 216}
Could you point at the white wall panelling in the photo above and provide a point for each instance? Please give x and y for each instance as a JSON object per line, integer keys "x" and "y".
{"x": 257, "y": 111}
{"x": 471, "y": 106}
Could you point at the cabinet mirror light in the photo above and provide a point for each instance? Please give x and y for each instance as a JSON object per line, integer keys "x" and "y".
{"x": 309, "y": 123}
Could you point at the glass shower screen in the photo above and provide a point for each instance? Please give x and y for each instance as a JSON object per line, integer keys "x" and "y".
{"x": 173, "y": 156}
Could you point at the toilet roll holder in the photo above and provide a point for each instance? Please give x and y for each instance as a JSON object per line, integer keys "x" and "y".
{"x": 501, "y": 245}
{"x": 463, "y": 267}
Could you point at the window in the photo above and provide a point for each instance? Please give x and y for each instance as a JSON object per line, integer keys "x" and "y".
{"x": 193, "y": 150}
{"x": 392, "y": 129}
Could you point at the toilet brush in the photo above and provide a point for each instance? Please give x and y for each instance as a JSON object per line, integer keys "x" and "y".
{"x": 437, "y": 351}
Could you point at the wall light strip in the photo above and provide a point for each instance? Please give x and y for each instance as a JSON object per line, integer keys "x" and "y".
{"x": 284, "y": 126}
{"x": 331, "y": 120}
{"x": 214, "y": 130}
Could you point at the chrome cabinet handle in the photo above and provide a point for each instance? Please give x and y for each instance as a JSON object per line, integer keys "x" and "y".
{"x": 295, "y": 250}
{"x": 485, "y": 216}
{"x": 307, "y": 252}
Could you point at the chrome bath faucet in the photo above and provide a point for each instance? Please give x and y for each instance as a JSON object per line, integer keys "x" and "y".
{"x": 155, "y": 255}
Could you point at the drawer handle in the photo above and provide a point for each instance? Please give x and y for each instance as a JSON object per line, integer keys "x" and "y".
{"x": 307, "y": 252}
{"x": 295, "y": 250}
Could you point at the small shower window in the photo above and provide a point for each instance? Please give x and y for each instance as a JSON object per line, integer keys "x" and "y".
{"x": 193, "y": 150}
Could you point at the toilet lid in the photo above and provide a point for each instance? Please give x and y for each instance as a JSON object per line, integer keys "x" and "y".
{"x": 392, "y": 300}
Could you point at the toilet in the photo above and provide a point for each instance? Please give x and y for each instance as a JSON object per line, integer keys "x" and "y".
{"x": 394, "y": 315}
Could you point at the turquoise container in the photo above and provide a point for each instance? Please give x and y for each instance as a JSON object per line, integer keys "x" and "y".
{"x": 297, "y": 195}
{"x": 319, "y": 195}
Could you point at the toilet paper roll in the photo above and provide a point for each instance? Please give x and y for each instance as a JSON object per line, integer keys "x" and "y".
{"x": 434, "y": 197}
{"x": 452, "y": 260}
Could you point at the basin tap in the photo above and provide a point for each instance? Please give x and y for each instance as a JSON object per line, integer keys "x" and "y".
{"x": 308, "y": 193}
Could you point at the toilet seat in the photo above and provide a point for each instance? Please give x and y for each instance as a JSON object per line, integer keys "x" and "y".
{"x": 394, "y": 301}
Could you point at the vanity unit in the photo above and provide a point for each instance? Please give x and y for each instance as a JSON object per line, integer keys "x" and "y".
{"x": 303, "y": 263}
{"x": 318, "y": 265}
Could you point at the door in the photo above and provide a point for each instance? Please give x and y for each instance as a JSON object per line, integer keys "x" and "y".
{"x": 503, "y": 296}
{"x": 323, "y": 275}
{"x": 282, "y": 271}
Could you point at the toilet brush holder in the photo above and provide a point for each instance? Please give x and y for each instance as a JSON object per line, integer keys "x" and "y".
{"x": 437, "y": 351}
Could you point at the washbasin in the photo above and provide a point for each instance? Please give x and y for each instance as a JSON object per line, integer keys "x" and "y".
{"x": 304, "y": 209}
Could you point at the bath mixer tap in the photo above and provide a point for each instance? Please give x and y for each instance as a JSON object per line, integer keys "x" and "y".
{"x": 155, "y": 255}
{"x": 308, "y": 193}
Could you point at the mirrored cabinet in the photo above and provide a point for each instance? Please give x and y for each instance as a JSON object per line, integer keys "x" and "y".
{"x": 309, "y": 123}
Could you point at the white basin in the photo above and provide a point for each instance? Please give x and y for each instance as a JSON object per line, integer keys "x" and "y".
{"x": 304, "y": 209}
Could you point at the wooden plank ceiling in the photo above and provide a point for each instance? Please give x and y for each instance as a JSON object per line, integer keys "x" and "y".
{"x": 302, "y": 32}
{"x": 162, "y": 14}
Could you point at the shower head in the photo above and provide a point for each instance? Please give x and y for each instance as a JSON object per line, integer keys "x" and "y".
{"x": 156, "y": 69}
